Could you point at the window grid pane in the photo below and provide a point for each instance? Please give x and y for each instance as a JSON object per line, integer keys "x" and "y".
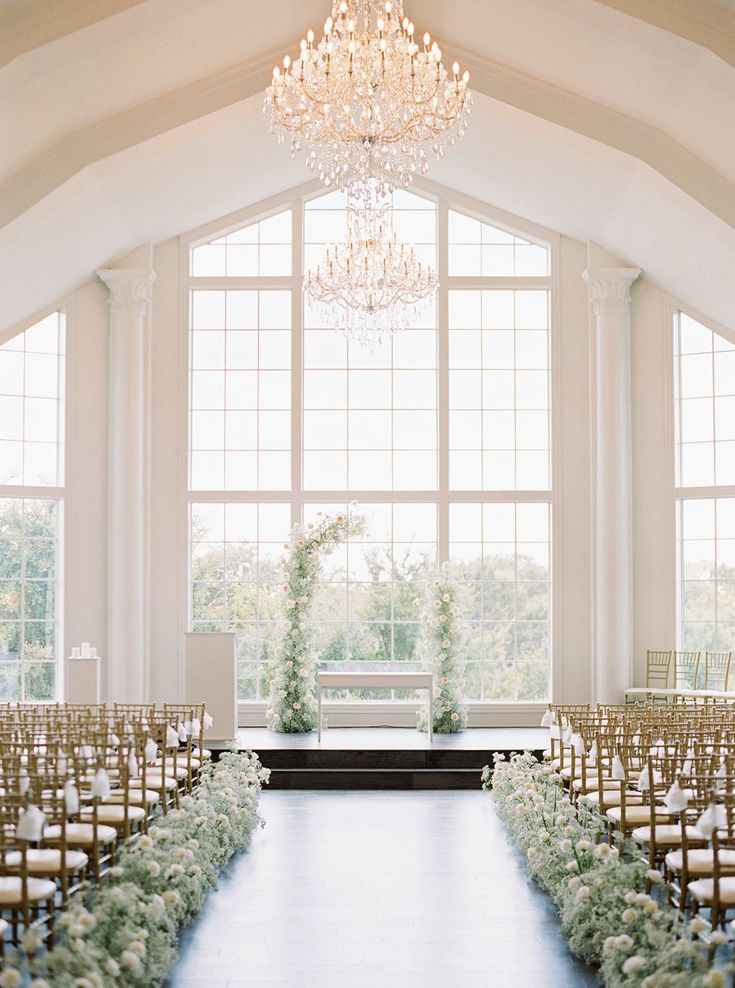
{"x": 499, "y": 390}
{"x": 500, "y": 555}
{"x": 240, "y": 390}
{"x": 32, "y": 405}
{"x": 29, "y": 553}
{"x": 370, "y": 422}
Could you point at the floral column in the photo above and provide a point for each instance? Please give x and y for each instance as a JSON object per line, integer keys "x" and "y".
{"x": 612, "y": 509}
{"x": 127, "y": 669}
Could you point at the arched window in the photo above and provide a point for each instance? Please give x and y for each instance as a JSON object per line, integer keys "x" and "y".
{"x": 442, "y": 435}
{"x": 704, "y": 383}
{"x": 31, "y": 502}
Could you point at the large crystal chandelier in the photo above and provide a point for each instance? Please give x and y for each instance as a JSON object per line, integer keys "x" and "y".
{"x": 368, "y": 101}
{"x": 371, "y": 286}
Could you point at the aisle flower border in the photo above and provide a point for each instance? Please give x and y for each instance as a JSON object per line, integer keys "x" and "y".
{"x": 634, "y": 938}
{"x": 442, "y": 644}
{"x": 123, "y": 934}
{"x": 292, "y": 707}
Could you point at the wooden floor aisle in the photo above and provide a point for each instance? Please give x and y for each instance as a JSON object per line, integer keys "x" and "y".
{"x": 378, "y": 890}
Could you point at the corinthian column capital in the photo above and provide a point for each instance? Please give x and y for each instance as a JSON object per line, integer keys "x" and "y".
{"x": 130, "y": 289}
{"x": 609, "y": 288}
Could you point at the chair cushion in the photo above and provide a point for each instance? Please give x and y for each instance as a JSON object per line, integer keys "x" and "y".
{"x": 700, "y": 861}
{"x": 703, "y": 890}
{"x": 153, "y": 781}
{"x": 591, "y": 784}
{"x": 47, "y": 860}
{"x": 115, "y": 814}
{"x": 81, "y": 834}
{"x": 11, "y": 890}
{"x": 667, "y": 834}
{"x": 135, "y": 796}
{"x": 637, "y": 814}
{"x": 611, "y": 797}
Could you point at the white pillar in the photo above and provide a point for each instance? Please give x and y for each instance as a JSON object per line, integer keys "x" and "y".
{"x": 130, "y": 295}
{"x": 612, "y": 507}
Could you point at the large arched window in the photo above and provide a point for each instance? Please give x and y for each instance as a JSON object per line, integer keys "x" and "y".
{"x": 704, "y": 382}
{"x": 442, "y": 435}
{"x": 31, "y": 502}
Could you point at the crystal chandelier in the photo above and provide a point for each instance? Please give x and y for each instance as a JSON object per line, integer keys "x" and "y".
{"x": 367, "y": 101}
{"x": 372, "y": 286}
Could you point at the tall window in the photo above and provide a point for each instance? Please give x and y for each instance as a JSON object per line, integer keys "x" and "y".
{"x": 442, "y": 435}
{"x": 31, "y": 498}
{"x": 704, "y": 377}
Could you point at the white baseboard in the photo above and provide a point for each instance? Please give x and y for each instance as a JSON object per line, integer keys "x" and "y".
{"x": 372, "y": 713}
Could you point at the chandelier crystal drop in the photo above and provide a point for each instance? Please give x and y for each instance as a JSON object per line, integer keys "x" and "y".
{"x": 368, "y": 101}
{"x": 372, "y": 286}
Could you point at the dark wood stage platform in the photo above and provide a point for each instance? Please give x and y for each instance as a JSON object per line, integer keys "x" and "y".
{"x": 383, "y": 757}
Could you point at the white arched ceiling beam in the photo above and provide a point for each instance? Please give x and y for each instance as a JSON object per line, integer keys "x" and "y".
{"x": 72, "y": 154}
{"x": 29, "y": 24}
{"x": 707, "y": 23}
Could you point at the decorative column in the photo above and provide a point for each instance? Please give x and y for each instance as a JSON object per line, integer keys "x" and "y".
{"x": 612, "y": 495}
{"x": 130, "y": 296}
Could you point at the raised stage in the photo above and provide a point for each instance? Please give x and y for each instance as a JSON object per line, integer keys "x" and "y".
{"x": 384, "y": 757}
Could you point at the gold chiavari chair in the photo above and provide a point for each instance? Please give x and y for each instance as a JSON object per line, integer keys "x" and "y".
{"x": 669, "y": 822}
{"x": 717, "y": 670}
{"x": 26, "y": 901}
{"x": 718, "y": 892}
{"x": 658, "y": 666}
{"x": 686, "y": 670}
{"x": 690, "y": 861}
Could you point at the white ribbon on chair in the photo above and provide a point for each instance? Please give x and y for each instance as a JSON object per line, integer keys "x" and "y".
{"x": 548, "y": 718}
{"x": 150, "y": 751}
{"x": 133, "y": 767}
{"x": 618, "y": 769}
{"x": 71, "y": 797}
{"x": 30, "y": 824}
{"x": 183, "y": 735}
{"x": 578, "y": 744}
{"x": 592, "y": 757}
{"x": 714, "y": 816}
{"x": 23, "y": 782}
{"x": 208, "y": 721}
{"x": 172, "y": 738}
{"x": 567, "y": 734}
{"x": 676, "y": 799}
{"x": 101, "y": 784}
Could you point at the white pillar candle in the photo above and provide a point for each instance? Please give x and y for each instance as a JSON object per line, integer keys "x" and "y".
{"x": 76, "y": 652}
{"x": 85, "y": 650}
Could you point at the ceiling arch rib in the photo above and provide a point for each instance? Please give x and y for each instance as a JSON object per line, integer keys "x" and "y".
{"x": 29, "y": 24}
{"x": 50, "y": 169}
{"x": 703, "y": 22}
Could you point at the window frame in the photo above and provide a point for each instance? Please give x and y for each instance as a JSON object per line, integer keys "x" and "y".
{"x": 684, "y": 493}
{"x": 54, "y": 493}
{"x": 445, "y": 200}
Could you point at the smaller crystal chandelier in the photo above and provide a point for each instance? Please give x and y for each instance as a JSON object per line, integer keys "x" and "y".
{"x": 368, "y": 101}
{"x": 373, "y": 285}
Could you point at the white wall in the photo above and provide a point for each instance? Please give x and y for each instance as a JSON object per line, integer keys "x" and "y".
{"x": 654, "y": 563}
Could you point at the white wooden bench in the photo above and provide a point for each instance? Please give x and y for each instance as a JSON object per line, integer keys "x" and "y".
{"x": 375, "y": 680}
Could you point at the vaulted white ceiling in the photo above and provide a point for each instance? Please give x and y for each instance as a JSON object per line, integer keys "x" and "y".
{"x": 124, "y": 121}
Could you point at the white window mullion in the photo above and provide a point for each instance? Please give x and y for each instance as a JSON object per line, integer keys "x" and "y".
{"x": 297, "y": 361}
{"x": 443, "y": 383}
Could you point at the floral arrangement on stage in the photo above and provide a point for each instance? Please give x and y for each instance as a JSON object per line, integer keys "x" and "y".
{"x": 124, "y": 932}
{"x": 292, "y": 707}
{"x": 442, "y": 641}
{"x": 636, "y": 938}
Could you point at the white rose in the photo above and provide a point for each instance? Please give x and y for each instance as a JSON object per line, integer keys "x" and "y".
{"x": 634, "y": 964}
{"x": 10, "y": 978}
{"x": 629, "y": 916}
{"x": 153, "y": 869}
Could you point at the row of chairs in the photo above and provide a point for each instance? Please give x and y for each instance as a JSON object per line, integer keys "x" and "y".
{"x": 674, "y": 670}
{"x": 77, "y": 783}
{"x": 663, "y": 777}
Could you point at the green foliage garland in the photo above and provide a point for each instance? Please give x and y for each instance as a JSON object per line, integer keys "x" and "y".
{"x": 442, "y": 641}
{"x": 123, "y": 934}
{"x": 636, "y": 939}
{"x": 292, "y": 707}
